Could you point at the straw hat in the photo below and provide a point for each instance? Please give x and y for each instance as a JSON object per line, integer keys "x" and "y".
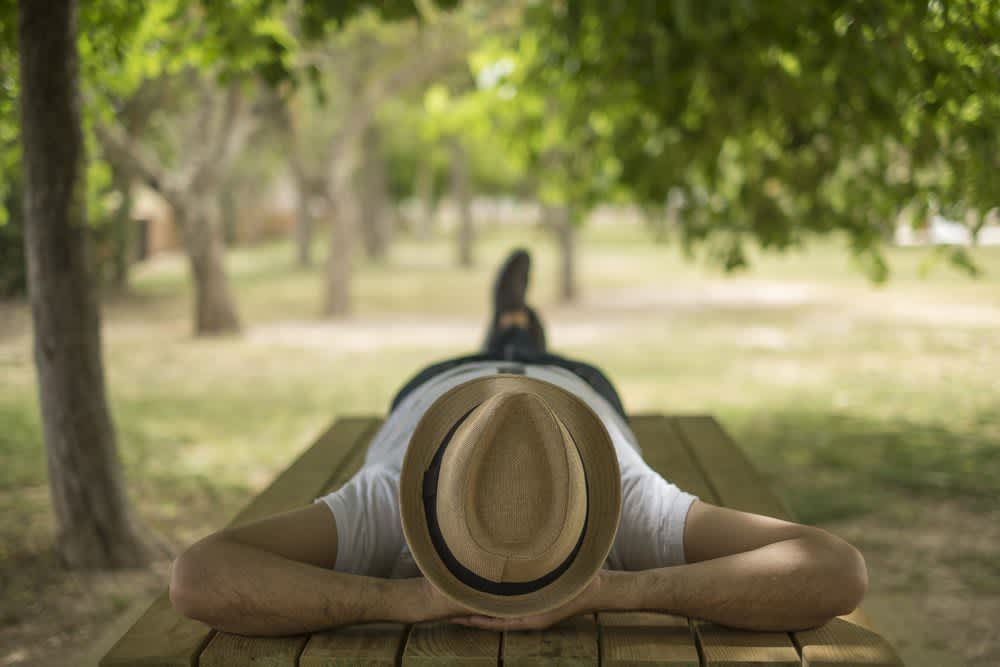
{"x": 510, "y": 495}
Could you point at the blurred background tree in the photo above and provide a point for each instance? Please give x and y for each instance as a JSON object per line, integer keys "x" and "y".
{"x": 200, "y": 61}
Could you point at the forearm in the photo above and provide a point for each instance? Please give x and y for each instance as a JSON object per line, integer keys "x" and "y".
{"x": 242, "y": 589}
{"x": 787, "y": 585}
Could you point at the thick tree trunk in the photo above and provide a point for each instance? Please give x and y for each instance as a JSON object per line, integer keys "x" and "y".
{"x": 375, "y": 221}
{"x": 337, "y": 296}
{"x": 462, "y": 197}
{"x": 214, "y": 306}
{"x": 95, "y": 526}
{"x": 423, "y": 189}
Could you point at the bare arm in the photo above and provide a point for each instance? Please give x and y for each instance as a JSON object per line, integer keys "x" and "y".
{"x": 751, "y": 572}
{"x": 744, "y": 570}
{"x": 275, "y": 577}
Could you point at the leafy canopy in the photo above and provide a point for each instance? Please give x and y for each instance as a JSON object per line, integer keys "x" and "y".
{"x": 782, "y": 119}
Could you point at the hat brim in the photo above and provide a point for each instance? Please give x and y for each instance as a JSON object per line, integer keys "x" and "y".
{"x": 600, "y": 463}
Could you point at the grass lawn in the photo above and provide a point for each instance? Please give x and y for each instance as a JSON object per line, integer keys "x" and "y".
{"x": 874, "y": 410}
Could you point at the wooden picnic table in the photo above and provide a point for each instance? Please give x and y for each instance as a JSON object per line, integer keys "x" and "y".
{"x": 692, "y": 451}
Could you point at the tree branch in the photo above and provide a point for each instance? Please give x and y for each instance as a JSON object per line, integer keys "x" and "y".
{"x": 234, "y": 125}
{"x": 122, "y": 148}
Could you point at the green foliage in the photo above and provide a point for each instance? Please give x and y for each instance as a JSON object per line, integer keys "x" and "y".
{"x": 143, "y": 53}
{"x": 783, "y": 119}
{"x": 321, "y": 17}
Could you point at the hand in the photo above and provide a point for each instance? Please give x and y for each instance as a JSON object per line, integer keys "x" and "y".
{"x": 588, "y": 600}
{"x": 427, "y": 603}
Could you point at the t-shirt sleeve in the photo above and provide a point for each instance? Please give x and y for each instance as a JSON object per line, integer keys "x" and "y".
{"x": 369, "y": 531}
{"x": 651, "y": 530}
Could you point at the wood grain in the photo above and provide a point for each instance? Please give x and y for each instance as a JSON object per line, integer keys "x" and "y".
{"x": 570, "y": 642}
{"x": 726, "y": 647}
{"x": 727, "y": 469}
{"x": 664, "y": 449}
{"x": 370, "y": 645}
{"x": 162, "y": 637}
{"x": 225, "y": 650}
{"x": 641, "y": 638}
{"x": 841, "y": 642}
{"x": 444, "y": 643}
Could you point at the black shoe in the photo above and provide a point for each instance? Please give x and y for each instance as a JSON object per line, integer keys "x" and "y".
{"x": 511, "y": 282}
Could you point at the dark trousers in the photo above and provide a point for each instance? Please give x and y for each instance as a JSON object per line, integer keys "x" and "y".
{"x": 520, "y": 346}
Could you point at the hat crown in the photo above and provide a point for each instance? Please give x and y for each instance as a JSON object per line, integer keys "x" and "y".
{"x": 512, "y": 491}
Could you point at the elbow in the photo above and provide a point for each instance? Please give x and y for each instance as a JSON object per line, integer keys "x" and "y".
{"x": 191, "y": 585}
{"x": 845, "y": 576}
{"x": 853, "y": 575}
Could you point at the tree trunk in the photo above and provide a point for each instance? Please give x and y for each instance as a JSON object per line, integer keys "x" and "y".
{"x": 560, "y": 220}
{"x": 303, "y": 223}
{"x": 567, "y": 263}
{"x": 227, "y": 214}
{"x": 94, "y": 524}
{"x": 121, "y": 231}
{"x": 375, "y": 221}
{"x": 214, "y": 306}
{"x": 424, "y": 191}
{"x": 337, "y": 296}
{"x": 462, "y": 197}
{"x": 303, "y": 196}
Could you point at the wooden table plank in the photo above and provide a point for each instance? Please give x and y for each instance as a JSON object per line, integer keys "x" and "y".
{"x": 162, "y": 637}
{"x": 642, "y": 638}
{"x": 663, "y": 448}
{"x": 726, "y": 647}
{"x": 352, "y": 464}
{"x": 841, "y": 642}
{"x": 741, "y": 486}
{"x": 728, "y": 470}
{"x": 570, "y": 642}
{"x": 444, "y": 643}
{"x": 227, "y": 650}
{"x": 370, "y": 645}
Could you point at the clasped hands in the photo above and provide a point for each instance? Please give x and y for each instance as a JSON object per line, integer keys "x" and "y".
{"x": 437, "y": 606}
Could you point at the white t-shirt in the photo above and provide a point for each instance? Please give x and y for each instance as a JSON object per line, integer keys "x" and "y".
{"x": 366, "y": 510}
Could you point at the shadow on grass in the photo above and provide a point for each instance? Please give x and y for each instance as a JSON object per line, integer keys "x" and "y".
{"x": 831, "y": 465}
